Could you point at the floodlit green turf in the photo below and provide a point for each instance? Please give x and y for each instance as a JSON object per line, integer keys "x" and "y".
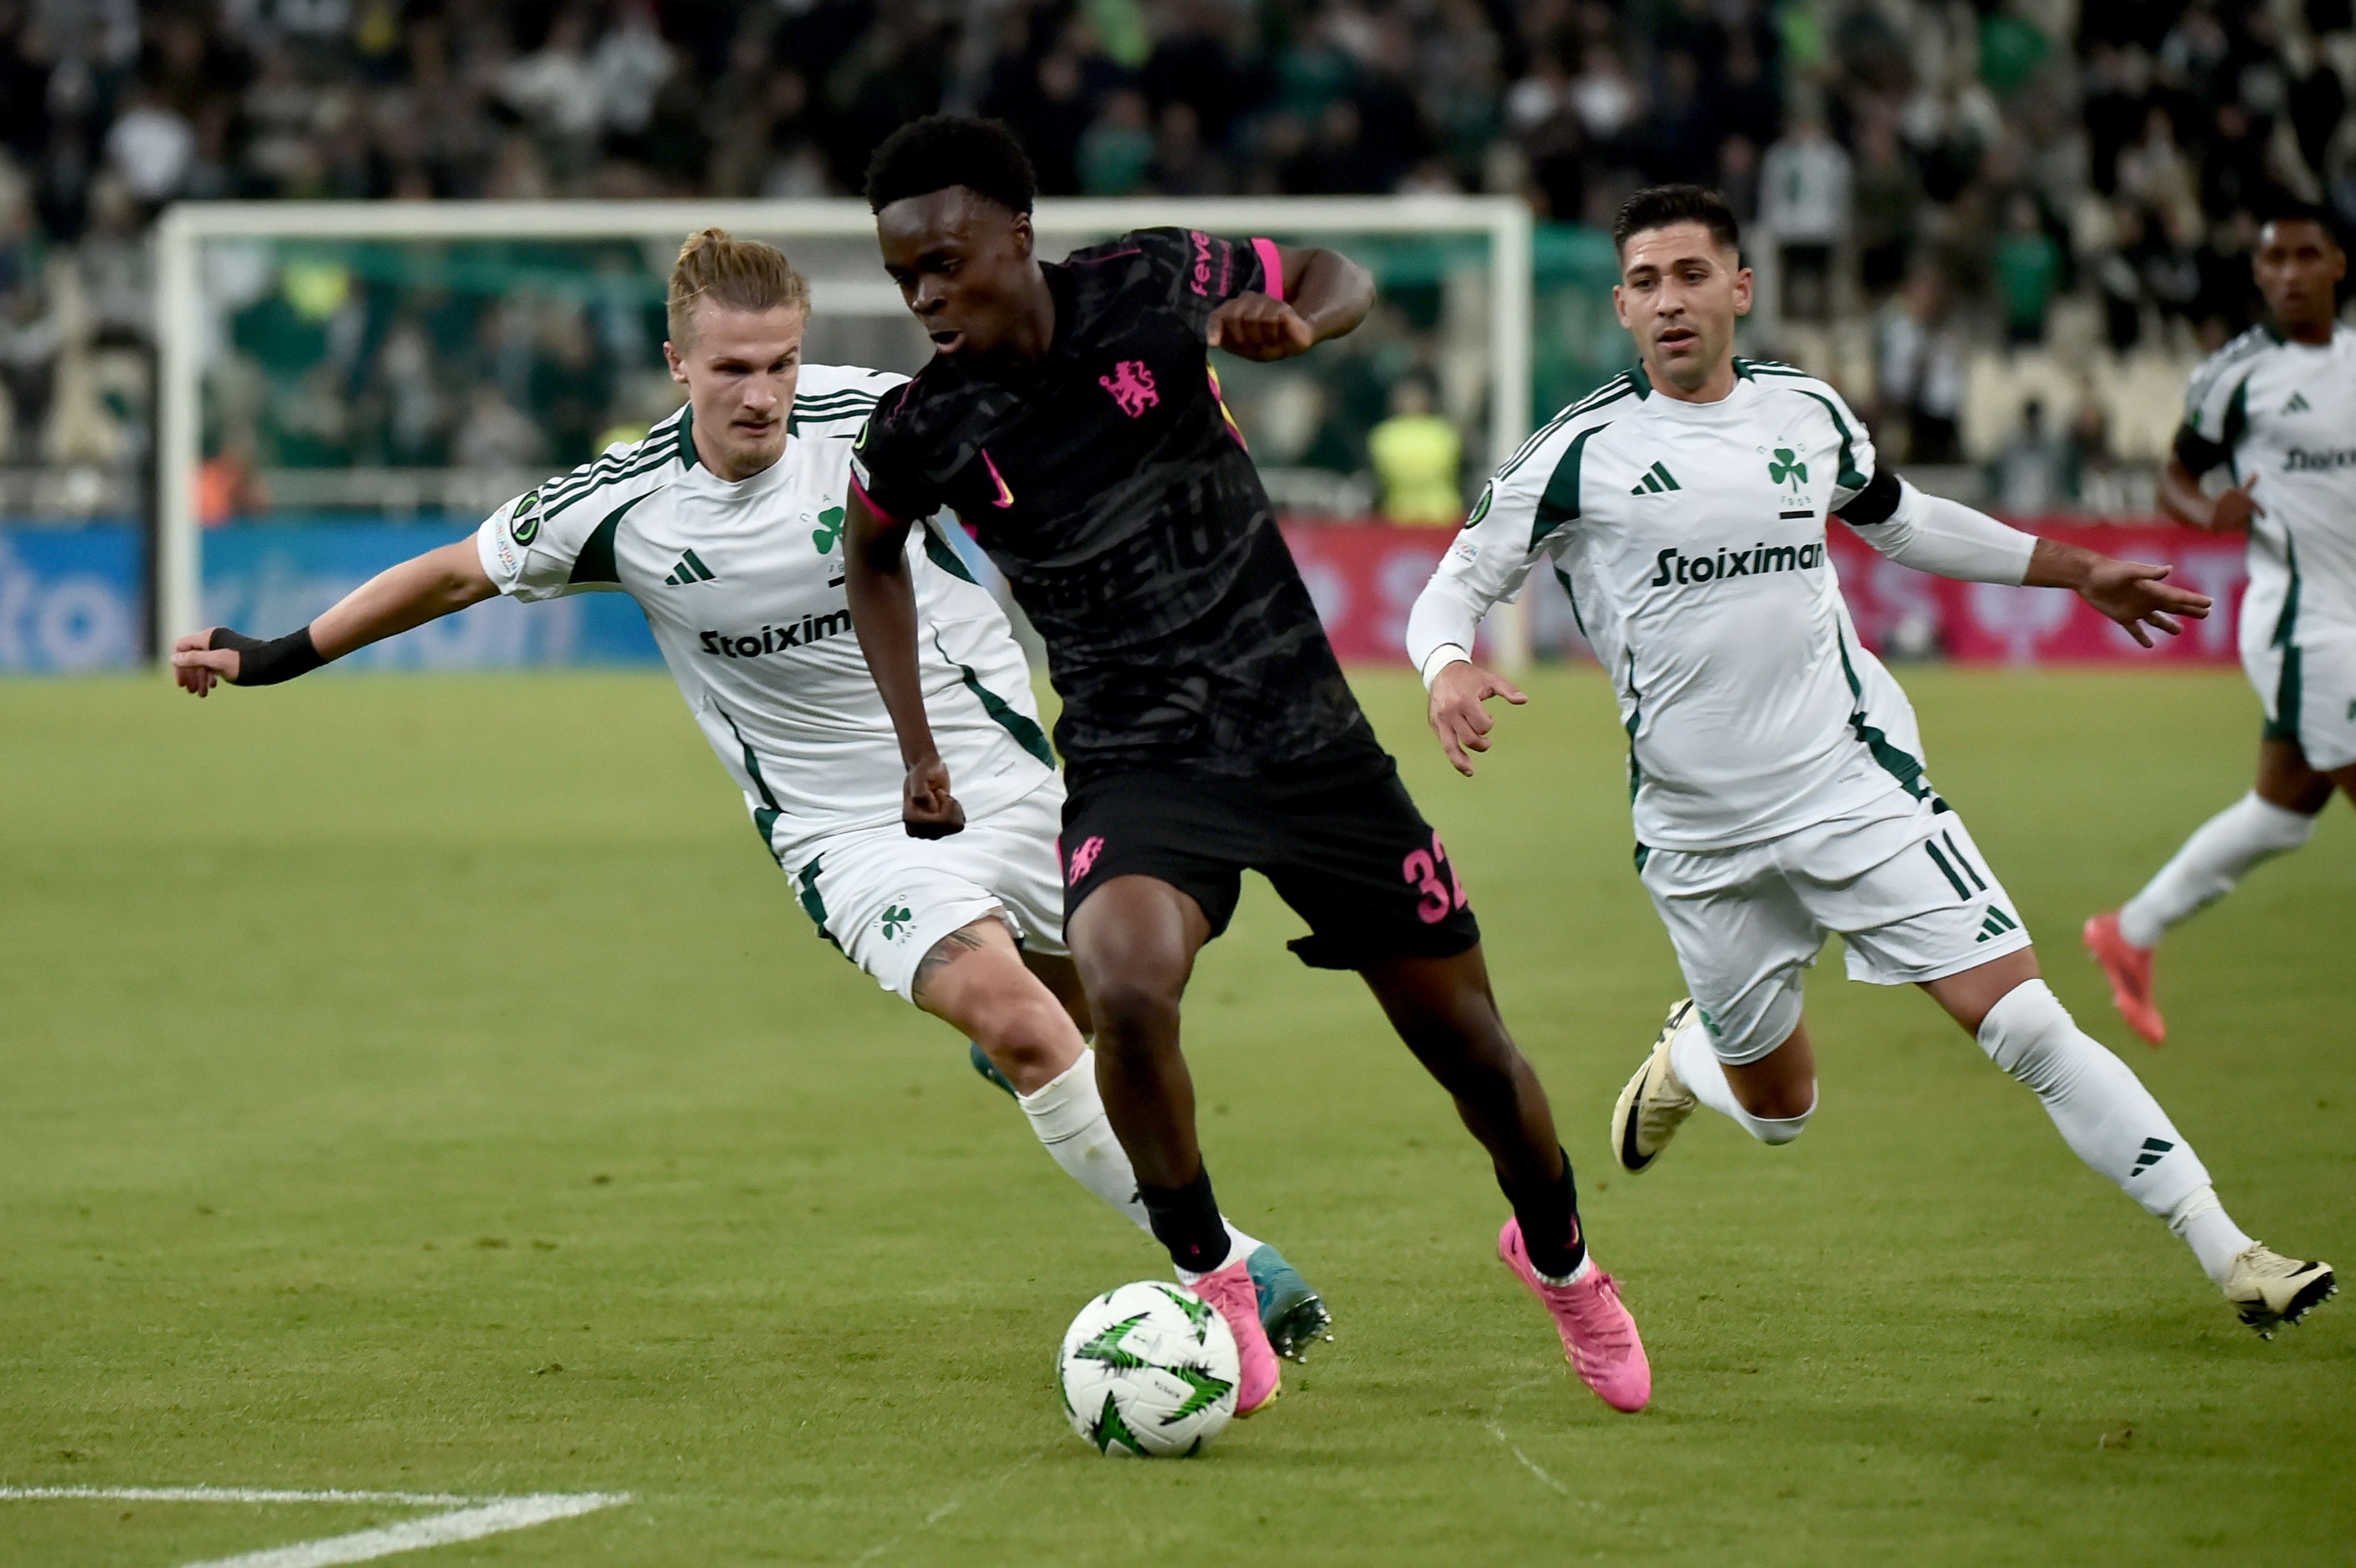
{"x": 430, "y": 1084}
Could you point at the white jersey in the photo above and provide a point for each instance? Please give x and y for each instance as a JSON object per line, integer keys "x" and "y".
{"x": 2285, "y": 413}
{"x": 742, "y": 585}
{"x": 1690, "y": 537}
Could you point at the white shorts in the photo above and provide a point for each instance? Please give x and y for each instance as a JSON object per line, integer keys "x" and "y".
{"x": 1905, "y": 887}
{"x": 884, "y": 899}
{"x": 2308, "y": 687}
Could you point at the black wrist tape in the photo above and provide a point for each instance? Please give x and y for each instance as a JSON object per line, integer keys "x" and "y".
{"x": 268, "y": 663}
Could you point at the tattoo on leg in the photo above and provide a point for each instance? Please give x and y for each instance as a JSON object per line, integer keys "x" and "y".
{"x": 944, "y": 953}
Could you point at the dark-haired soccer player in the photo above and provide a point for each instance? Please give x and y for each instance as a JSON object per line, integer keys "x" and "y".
{"x": 724, "y": 524}
{"x": 1779, "y": 790}
{"x": 1070, "y": 416}
{"x": 2276, "y": 407}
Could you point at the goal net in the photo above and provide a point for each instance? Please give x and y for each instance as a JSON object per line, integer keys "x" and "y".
{"x": 342, "y": 385}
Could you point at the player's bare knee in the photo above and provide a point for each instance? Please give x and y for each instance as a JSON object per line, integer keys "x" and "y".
{"x": 1137, "y": 1010}
{"x": 1788, "y": 1105}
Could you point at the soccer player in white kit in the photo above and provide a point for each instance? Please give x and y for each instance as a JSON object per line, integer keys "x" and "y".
{"x": 1775, "y": 767}
{"x": 2277, "y": 409}
{"x": 725, "y": 525}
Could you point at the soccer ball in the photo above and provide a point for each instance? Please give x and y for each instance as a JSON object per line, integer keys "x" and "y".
{"x": 1148, "y": 1370}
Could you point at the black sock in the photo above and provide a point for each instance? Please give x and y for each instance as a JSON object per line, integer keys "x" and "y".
{"x": 1186, "y": 1220}
{"x": 1549, "y": 1212}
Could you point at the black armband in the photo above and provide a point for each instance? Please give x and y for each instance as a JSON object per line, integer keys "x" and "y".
{"x": 1876, "y": 503}
{"x": 268, "y": 663}
{"x": 2197, "y": 451}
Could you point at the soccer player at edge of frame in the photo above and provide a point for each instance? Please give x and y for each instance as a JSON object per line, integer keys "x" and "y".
{"x": 725, "y": 525}
{"x": 1774, "y": 764}
{"x": 1071, "y": 416}
{"x": 2273, "y": 408}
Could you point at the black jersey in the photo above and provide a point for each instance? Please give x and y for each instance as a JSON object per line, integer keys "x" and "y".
{"x": 1112, "y": 485}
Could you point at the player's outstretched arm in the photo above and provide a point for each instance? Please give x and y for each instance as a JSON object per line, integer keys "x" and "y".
{"x": 424, "y": 587}
{"x": 1325, "y": 295}
{"x": 883, "y": 615}
{"x": 2135, "y": 593}
{"x": 1931, "y": 533}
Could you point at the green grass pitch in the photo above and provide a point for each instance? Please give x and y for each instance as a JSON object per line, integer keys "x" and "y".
{"x": 428, "y": 1083}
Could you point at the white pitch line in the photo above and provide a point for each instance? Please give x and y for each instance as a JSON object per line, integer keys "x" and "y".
{"x": 439, "y": 1530}
{"x": 472, "y": 1519}
{"x": 942, "y": 1510}
{"x": 233, "y": 1495}
{"x": 1497, "y": 1431}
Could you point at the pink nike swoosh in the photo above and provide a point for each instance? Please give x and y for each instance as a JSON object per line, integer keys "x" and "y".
{"x": 1005, "y": 496}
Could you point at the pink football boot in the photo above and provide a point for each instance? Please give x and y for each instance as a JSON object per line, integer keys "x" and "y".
{"x": 1598, "y": 1335}
{"x": 1231, "y": 1293}
{"x": 2128, "y": 968}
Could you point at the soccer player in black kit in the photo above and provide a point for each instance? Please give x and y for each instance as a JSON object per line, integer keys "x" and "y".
{"x": 1070, "y": 416}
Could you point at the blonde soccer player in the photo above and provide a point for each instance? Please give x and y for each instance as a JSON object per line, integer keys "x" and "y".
{"x": 726, "y": 525}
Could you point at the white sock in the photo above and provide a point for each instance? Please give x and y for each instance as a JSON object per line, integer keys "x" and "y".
{"x": 2220, "y": 852}
{"x": 1697, "y": 1068}
{"x": 1240, "y": 1245}
{"x": 2204, "y": 1226}
{"x": 2104, "y": 1111}
{"x": 1069, "y": 1117}
{"x": 1586, "y": 1266}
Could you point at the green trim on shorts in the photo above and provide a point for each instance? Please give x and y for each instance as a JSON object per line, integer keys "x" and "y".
{"x": 813, "y": 904}
{"x": 2289, "y": 686}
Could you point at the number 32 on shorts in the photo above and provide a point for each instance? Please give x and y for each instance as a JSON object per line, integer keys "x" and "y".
{"x": 1421, "y": 870}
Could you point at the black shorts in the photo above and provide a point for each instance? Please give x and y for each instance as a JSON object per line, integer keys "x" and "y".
{"x": 1344, "y": 845}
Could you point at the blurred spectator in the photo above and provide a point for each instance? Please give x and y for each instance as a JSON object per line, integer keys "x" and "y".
{"x": 1991, "y": 163}
{"x": 1117, "y": 151}
{"x": 151, "y": 146}
{"x": 29, "y": 340}
{"x": 2031, "y": 477}
{"x": 2027, "y": 266}
{"x": 1419, "y": 459}
{"x": 1920, "y": 370}
{"x": 227, "y": 486}
{"x": 493, "y": 434}
{"x": 1803, "y": 196}
{"x": 1889, "y": 204}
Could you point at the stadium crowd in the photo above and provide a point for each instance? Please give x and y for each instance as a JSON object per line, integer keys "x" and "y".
{"x": 1955, "y": 175}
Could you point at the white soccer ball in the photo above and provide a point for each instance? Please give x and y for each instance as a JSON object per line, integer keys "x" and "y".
{"x": 1149, "y": 1370}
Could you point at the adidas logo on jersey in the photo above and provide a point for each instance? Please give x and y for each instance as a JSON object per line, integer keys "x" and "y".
{"x": 1656, "y": 481}
{"x": 2154, "y": 1151}
{"x": 2297, "y": 404}
{"x": 689, "y": 570}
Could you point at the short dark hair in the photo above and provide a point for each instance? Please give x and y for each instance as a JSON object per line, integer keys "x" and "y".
{"x": 1657, "y": 206}
{"x": 944, "y": 150}
{"x": 2281, "y": 207}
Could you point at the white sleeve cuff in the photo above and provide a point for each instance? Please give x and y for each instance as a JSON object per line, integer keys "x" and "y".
{"x": 1439, "y": 658}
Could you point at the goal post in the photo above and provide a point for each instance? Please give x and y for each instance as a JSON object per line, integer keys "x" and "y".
{"x": 198, "y": 243}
